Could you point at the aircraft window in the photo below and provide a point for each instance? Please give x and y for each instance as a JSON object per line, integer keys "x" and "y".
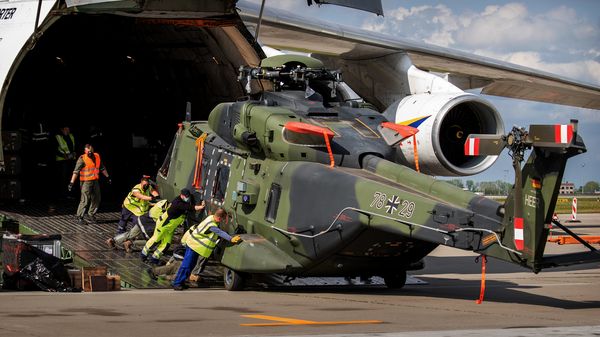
{"x": 303, "y": 138}
{"x": 164, "y": 169}
{"x": 273, "y": 203}
{"x": 220, "y": 186}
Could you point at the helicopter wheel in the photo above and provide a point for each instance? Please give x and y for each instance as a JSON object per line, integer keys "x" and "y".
{"x": 396, "y": 280}
{"x": 232, "y": 280}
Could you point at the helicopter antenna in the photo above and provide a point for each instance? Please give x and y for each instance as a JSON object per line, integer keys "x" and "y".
{"x": 188, "y": 111}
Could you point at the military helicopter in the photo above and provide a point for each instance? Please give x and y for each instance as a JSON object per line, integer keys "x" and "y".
{"x": 313, "y": 184}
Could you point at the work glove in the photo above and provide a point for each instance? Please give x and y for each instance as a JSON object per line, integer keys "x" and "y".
{"x": 155, "y": 199}
{"x": 70, "y": 187}
{"x": 236, "y": 239}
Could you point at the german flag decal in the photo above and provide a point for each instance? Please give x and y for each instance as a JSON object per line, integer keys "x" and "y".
{"x": 536, "y": 183}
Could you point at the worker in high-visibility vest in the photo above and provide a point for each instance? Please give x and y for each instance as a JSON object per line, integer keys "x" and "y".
{"x": 137, "y": 202}
{"x": 201, "y": 240}
{"x": 135, "y": 206}
{"x": 175, "y": 215}
{"x": 88, "y": 168}
{"x": 65, "y": 157}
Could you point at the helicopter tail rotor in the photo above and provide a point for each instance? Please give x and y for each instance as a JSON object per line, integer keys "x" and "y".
{"x": 530, "y": 204}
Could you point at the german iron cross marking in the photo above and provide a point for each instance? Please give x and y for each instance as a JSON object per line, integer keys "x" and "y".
{"x": 392, "y": 204}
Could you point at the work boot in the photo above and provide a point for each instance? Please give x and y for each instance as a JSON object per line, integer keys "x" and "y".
{"x": 178, "y": 288}
{"x": 127, "y": 245}
{"x": 154, "y": 261}
{"x": 150, "y": 272}
{"x": 143, "y": 257}
{"x": 81, "y": 221}
{"x": 110, "y": 243}
{"x": 195, "y": 278}
{"x": 92, "y": 220}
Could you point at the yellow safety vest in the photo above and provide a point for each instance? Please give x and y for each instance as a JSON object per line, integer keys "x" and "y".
{"x": 200, "y": 239}
{"x": 63, "y": 147}
{"x": 159, "y": 209}
{"x": 137, "y": 206}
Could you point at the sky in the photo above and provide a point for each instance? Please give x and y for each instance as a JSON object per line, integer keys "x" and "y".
{"x": 559, "y": 37}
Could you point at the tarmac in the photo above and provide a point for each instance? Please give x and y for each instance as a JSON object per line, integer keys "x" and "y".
{"x": 555, "y": 302}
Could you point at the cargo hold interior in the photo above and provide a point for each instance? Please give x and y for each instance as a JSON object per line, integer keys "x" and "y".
{"x": 128, "y": 77}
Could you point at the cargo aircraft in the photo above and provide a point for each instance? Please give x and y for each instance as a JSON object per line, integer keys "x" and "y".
{"x": 325, "y": 163}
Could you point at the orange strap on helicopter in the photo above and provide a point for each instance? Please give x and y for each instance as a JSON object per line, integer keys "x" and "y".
{"x": 199, "y": 154}
{"x": 416, "y": 153}
{"x": 326, "y": 137}
{"x": 482, "y": 290}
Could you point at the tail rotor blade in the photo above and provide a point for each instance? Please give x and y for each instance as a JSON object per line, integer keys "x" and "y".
{"x": 559, "y": 135}
{"x": 484, "y": 145}
{"x": 519, "y": 236}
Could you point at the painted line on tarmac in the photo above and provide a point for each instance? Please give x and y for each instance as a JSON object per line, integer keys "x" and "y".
{"x": 286, "y": 321}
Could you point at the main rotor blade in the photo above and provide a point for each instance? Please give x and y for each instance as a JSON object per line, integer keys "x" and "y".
{"x": 559, "y": 135}
{"x": 484, "y": 145}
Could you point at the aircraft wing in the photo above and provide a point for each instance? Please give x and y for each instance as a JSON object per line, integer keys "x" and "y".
{"x": 288, "y": 31}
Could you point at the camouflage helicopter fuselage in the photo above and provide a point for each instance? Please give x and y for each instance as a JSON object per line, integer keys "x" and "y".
{"x": 365, "y": 216}
{"x": 311, "y": 184}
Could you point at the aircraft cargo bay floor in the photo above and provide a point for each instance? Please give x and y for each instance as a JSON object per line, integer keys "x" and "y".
{"x": 88, "y": 243}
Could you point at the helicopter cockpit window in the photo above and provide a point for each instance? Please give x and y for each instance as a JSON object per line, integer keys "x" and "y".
{"x": 164, "y": 169}
{"x": 220, "y": 186}
{"x": 273, "y": 203}
{"x": 303, "y": 139}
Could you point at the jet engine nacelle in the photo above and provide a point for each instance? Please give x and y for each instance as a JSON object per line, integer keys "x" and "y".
{"x": 444, "y": 121}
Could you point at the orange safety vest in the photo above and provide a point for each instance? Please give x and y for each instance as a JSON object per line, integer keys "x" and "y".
{"x": 91, "y": 171}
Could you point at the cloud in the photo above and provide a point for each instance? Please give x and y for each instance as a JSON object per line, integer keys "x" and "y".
{"x": 558, "y": 41}
{"x": 586, "y": 70}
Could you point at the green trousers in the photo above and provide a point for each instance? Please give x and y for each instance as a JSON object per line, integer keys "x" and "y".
{"x": 90, "y": 198}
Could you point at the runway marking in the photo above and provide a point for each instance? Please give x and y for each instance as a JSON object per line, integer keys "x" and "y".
{"x": 284, "y": 321}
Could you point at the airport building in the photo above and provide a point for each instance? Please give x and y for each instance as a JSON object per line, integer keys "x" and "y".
{"x": 567, "y": 188}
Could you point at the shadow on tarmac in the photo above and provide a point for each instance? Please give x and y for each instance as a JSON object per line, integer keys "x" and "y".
{"x": 451, "y": 288}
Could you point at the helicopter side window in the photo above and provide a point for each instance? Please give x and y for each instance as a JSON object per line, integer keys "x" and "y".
{"x": 220, "y": 186}
{"x": 303, "y": 139}
{"x": 164, "y": 168}
{"x": 273, "y": 203}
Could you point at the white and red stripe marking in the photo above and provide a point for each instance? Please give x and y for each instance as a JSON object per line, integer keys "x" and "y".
{"x": 563, "y": 134}
{"x": 472, "y": 147}
{"x": 574, "y": 210}
{"x": 519, "y": 236}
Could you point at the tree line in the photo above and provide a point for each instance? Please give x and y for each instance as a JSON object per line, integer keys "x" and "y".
{"x": 500, "y": 187}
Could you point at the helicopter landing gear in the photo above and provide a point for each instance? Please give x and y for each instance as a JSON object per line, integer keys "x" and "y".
{"x": 396, "y": 280}
{"x": 233, "y": 280}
